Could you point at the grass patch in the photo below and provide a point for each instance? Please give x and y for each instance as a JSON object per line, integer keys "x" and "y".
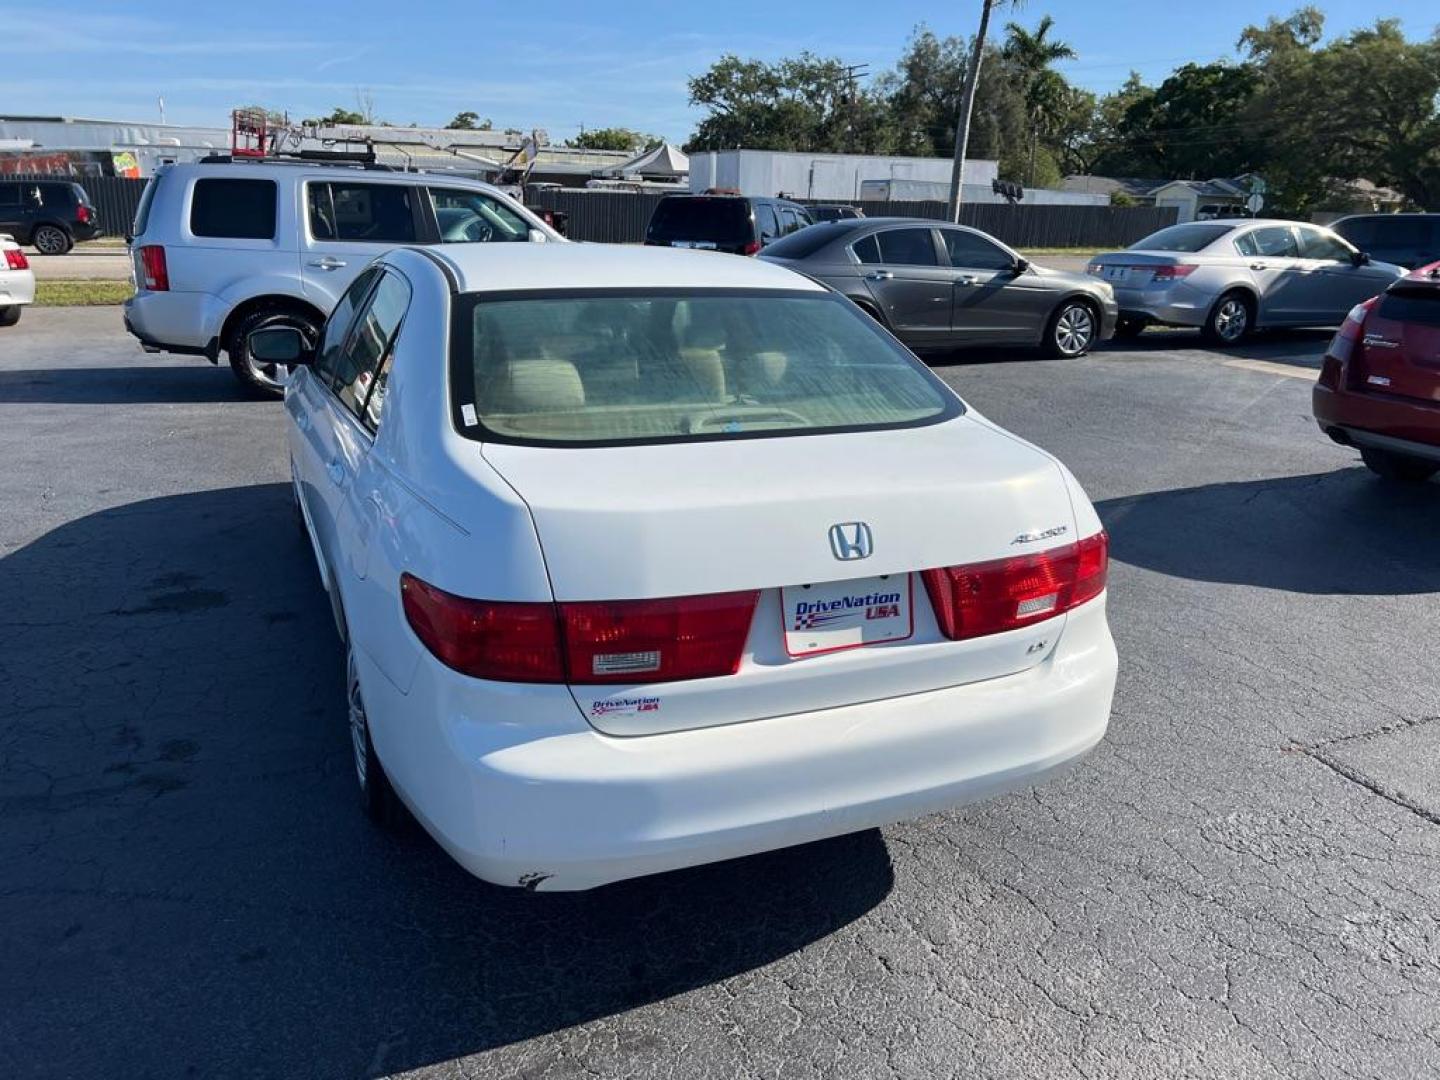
{"x": 81, "y": 293}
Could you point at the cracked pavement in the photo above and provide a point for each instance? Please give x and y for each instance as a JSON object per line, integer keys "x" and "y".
{"x": 1240, "y": 882}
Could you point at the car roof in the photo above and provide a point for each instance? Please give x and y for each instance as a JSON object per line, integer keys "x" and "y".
{"x": 338, "y": 171}
{"x": 509, "y": 267}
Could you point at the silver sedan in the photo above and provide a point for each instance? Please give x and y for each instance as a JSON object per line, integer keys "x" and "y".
{"x": 1230, "y": 277}
{"x": 940, "y": 285}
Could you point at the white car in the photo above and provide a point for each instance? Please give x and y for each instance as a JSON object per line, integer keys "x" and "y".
{"x": 17, "y": 281}
{"x": 647, "y": 558}
{"x": 222, "y": 248}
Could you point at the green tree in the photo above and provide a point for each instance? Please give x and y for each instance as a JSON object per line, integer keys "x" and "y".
{"x": 1192, "y": 126}
{"x": 339, "y": 117}
{"x": 1030, "y": 55}
{"x": 613, "y": 138}
{"x": 804, "y": 103}
{"x": 468, "y": 121}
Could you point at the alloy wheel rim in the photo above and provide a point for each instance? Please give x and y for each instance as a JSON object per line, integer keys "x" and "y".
{"x": 1231, "y": 319}
{"x": 359, "y": 728}
{"x": 1074, "y": 329}
{"x": 50, "y": 241}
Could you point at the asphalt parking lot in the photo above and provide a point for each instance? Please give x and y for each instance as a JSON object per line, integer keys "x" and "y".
{"x": 1240, "y": 882}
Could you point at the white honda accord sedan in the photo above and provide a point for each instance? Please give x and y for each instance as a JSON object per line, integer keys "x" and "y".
{"x": 646, "y": 558}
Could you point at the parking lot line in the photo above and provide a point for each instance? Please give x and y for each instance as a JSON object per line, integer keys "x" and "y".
{"x": 1272, "y": 367}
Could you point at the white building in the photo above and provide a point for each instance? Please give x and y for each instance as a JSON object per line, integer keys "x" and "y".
{"x": 852, "y": 177}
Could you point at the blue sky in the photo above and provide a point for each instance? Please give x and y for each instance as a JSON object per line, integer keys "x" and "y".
{"x": 557, "y": 65}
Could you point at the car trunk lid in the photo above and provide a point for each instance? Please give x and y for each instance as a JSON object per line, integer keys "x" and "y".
{"x": 756, "y": 515}
{"x": 1399, "y": 353}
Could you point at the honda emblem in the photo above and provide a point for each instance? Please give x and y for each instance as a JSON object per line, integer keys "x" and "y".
{"x": 851, "y": 540}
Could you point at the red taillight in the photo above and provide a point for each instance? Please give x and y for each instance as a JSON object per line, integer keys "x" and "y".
{"x": 1171, "y": 273}
{"x": 615, "y": 641}
{"x": 15, "y": 259}
{"x": 992, "y": 597}
{"x": 511, "y": 642}
{"x": 752, "y": 248}
{"x": 82, "y": 215}
{"x": 683, "y": 637}
{"x": 157, "y": 277}
{"x": 1352, "y": 330}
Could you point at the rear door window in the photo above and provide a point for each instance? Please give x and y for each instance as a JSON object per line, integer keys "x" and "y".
{"x": 908, "y": 247}
{"x": 368, "y": 213}
{"x": 234, "y": 209}
{"x": 1272, "y": 241}
{"x": 9, "y": 194}
{"x": 867, "y": 250}
{"x": 766, "y": 219}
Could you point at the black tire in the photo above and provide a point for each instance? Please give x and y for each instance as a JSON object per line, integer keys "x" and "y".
{"x": 1230, "y": 320}
{"x": 10, "y": 314}
{"x": 261, "y": 380}
{"x": 1398, "y": 467}
{"x": 1072, "y": 330}
{"x": 51, "y": 240}
{"x": 377, "y": 797}
{"x": 1129, "y": 329}
{"x": 871, "y": 311}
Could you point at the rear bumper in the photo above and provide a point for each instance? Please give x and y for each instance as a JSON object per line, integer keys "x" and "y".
{"x": 17, "y": 287}
{"x": 1388, "y": 423}
{"x": 177, "y": 322}
{"x": 532, "y": 805}
{"x": 1178, "y": 304}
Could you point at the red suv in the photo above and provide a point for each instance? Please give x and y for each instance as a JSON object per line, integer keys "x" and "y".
{"x": 1379, "y": 390}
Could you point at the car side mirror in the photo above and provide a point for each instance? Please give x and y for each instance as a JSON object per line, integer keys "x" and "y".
{"x": 538, "y": 237}
{"x": 280, "y": 345}
{"x": 1360, "y": 258}
{"x": 1020, "y": 265}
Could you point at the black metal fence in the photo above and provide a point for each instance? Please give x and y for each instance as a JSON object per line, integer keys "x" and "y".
{"x": 616, "y": 217}
{"x": 115, "y": 197}
{"x": 620, "y": 217}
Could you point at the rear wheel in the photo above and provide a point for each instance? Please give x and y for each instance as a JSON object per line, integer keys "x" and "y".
{"x": 1392, "y": 466}
{"x": 1229, "y": 320}
{"x": 1071, "y": 331}
{"x": 51, "y": 240}
{"x": 9, "y": 315}
{"x": 377, "y": 797}
{"x": 261, "y": 379}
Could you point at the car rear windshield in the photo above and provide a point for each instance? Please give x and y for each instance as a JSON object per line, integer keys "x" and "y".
{"x": 603, "y": 368}
{"x": 1413, "y": 304}
{"x": 719, "y": 221}
{"x": 803, "y": 244}
{"x": 1191, "y": 237}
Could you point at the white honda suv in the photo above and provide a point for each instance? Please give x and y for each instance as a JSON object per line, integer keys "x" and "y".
{"x": 224, "y": 248}
{"x": 646, "y": 558}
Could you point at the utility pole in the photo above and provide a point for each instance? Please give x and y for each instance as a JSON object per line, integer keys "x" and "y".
{"x": 967, "y": 106}
{"x": 853, "y": 74}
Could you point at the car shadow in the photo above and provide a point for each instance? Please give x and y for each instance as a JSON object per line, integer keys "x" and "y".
{"x": 1343, "y": 533}
{"x": 189, "y": 881}
{"x": 1285, "y": 345}
{"x": 177, "y": 384}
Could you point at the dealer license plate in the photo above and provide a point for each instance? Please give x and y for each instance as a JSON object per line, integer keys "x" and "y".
{"x": 847, "y": 614}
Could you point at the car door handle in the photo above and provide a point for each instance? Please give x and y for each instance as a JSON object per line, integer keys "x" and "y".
{"x": 880, "y": 275}
{"x": 966, "y": 280}
{"x": 336, "y": 472}
{"x": 302, "y": 421}
{"x": 1259, "y": 266}
{"x": 327, "y": 263}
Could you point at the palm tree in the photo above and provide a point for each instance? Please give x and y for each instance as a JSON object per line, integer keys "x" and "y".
{"x": 1032, "y": 54}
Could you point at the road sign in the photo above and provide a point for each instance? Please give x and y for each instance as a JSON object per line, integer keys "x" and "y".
{"x": 1254, "y": 203}
{"x": 1258, "y": 185}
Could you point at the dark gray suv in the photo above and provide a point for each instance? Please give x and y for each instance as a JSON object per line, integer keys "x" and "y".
{"x": 51, "y": 215}
{"x": 1408, "y": 240}
{"x": 939, "y": 285}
